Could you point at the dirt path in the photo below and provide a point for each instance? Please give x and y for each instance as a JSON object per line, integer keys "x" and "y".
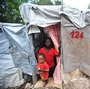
{"x": 39, "y": 85}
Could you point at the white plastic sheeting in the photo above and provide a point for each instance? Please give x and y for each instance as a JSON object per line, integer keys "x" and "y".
{"x": 40, "y": 15}
{"x": 33, "y": 29}
{"x": 23, "y": 47}
{"x": 76, "y": 16}
{"x": 4, "y": 44}
{"x": 9, "y": 75}
{"x": 43, "y": 16}
{"x": 21, "y": 56}
{"x": 17, "y": 36}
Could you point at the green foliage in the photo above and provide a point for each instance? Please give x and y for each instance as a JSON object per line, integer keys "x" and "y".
{"x": 33, "y": 1}
{"x": 89, "y": 6}
{"x": 44, "y": 2}
{"x": 9, "y": 11}
{"x": 57, "y": 2}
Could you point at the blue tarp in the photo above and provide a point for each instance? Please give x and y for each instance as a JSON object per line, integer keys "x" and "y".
{"x": 16, "y": 53}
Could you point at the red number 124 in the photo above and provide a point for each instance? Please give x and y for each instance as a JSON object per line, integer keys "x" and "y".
{"x": 77, "y": 34}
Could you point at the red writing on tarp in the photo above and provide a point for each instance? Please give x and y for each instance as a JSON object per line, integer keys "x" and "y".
{"x": 76, "y": 34}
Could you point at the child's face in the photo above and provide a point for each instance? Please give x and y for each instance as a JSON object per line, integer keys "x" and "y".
{"x": 41, "y": 59}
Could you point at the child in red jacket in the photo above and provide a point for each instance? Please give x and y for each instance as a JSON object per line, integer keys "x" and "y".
{"x": 43, "y": 68}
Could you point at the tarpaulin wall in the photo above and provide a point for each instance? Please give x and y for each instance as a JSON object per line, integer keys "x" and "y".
{"x": 75, "y": 47}
{"x": 16, "y": 54}
{"x": 22, "y": 48}
{"x": 9, "y": 75}
{"x": 40, "y": 15}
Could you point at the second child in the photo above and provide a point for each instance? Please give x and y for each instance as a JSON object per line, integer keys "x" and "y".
{"x": 43, "y": 68}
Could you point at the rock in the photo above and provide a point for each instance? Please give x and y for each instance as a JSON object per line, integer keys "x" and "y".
{"x": 50, "y": 85}
{"x": 29, "y": 86}
{"x": 81, "y": 83}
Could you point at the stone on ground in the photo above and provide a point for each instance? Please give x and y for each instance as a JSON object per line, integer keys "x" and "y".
{"x": 81, "y": 83}
{"x": 50, "y": 84}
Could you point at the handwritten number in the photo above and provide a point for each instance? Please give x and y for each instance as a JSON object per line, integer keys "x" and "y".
{"x": 72, "y": 34}
{"x": 81, "y": 35}
{"x": 77, "y": 34}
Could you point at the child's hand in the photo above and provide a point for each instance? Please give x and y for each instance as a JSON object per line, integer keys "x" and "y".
{"x": 38, "y": 69}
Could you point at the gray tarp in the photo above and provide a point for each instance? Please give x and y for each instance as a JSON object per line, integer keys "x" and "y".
{"x": 79, "y": 18}
{"x": 76, "y": 51}
{"x": 4, "y": 44}
{"x": 17, "y": 36}
{"x": 9, "y": 75}
{"x": 40, "y": 15}
{"x": 76, "y": 16}
{"x": 23, "y": 47}
{"x": 43, "y": 16}
{"x": 20, "y": 54}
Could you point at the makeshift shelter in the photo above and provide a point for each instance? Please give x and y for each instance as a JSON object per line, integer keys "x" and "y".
{"x": 48, "y": 18}
{"x": 69, "y": 27}
{"x": 74, "y": 30}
